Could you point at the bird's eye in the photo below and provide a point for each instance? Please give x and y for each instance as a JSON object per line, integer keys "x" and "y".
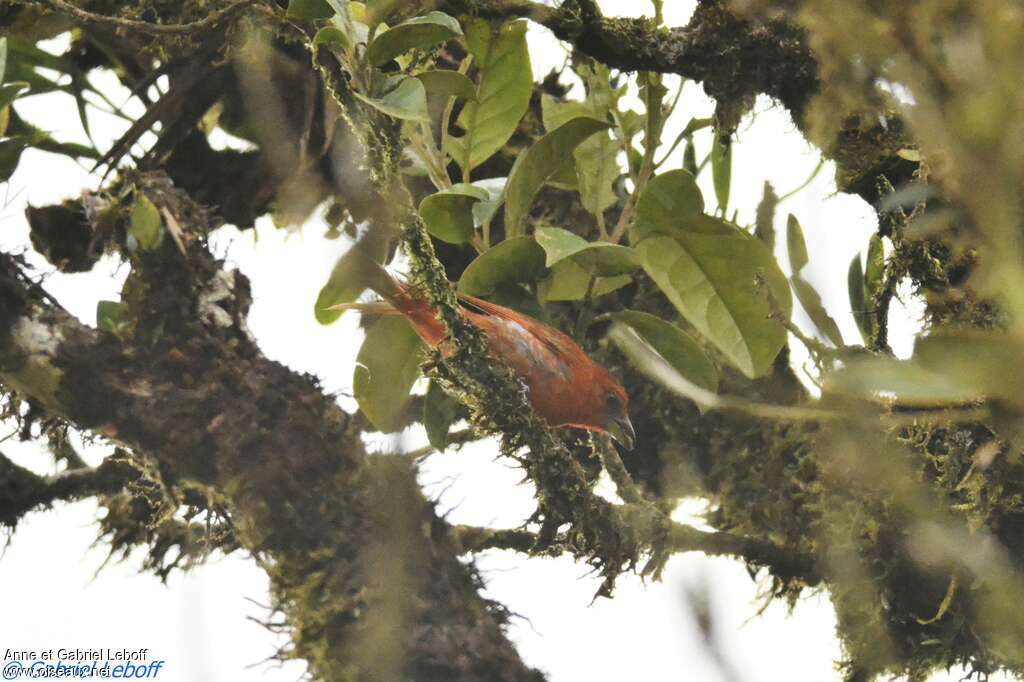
{"x": 613, "y": 402}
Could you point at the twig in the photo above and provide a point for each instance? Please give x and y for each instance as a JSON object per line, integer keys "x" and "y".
{"x": 148, "y": 26}
{"x": 628, "y": 490}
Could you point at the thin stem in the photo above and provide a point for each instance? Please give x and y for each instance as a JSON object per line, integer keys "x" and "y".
{"x": 805, "y": 183}
{"x": 446, "y": 116}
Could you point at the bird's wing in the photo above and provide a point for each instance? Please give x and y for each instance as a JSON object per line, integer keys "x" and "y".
{"x": 554, "y": 340}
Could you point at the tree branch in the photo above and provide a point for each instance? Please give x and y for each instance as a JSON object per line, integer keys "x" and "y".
{"x": 734, "y": 58}
{"x": 359, "y": 562}
{"x": 22, "y": 490}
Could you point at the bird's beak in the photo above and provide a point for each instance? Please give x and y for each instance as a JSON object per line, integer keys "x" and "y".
{"x": 621, "y": 429}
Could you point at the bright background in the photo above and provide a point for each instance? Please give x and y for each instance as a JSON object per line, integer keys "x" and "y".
{"x": 53, "y": 593}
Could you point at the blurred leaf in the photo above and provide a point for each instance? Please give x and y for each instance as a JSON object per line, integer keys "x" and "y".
{"x": 112, "y": 316}
{"x": 40, "y": 139}
{"x": 418, "y": 33}
{"x": 146, "y": 224}
{"x": 386, "y": 368}
{"x": 599, "y": 258}
{"x": 858, "y": 304}
{"x": 10, "y": 91}
{"x": 810, "y": 300}
{"x": 538, "y": 162}
{"x": 10, "y": 153}
{"x": 569, "y": 281}
{"x": 3, "y": 58}
{"x": 448, "y": 215}
{"x": 764, "y": 222}
{"x": 711, "y": 280}
{"x": 332, "y": 35}
{"x": 721, "y": 171}
{"x": 907, "y": 380}
{"x": 406, "y": 100}
{"x": 445, "y": 83}
{"x": 666, "y": 204}
{"x": 440, "y": 411}
{"x": 795, "y": 244}
{"x": 506, "y": 82}
{"x": 947, "y": 367}
{"x": 674, "y": 345}
{"x": 874, "y": 269}
{"x": 512, "y": 261}
{"x": 690, "y": 157}
{"x": 348, "y": 279}
{"x": 309, "y": 10}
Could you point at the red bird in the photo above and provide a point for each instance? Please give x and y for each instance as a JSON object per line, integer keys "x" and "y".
{"x": 566, "y": 387}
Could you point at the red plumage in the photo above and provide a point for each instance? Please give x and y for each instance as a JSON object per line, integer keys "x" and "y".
{"x": 566, "y": 387}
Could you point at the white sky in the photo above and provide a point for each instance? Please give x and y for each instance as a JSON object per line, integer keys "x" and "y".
{"x": 199, "y": 622}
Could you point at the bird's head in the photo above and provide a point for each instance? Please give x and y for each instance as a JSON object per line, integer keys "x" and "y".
{"x": 613, "y": 406}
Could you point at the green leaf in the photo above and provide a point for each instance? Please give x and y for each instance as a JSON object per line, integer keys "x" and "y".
{"x": 630, "y": 123}
{"x": 597, "y": 168}
{"x": 506, "y": 82}
{"x": 796, "y": 245}
{"x": 484, "y": 211}
{"x": 652, "y": 92}
{"x": 440, "y": 411}
{"x": 112, "y": 316}
{"x": 513, "y": 261}
{"x": 858, "y": 304}
{"x": 445, "y": 83}
{"x": 534, "y": 166}
{"x": 598, "y": 258}
{"x": 721, "y": 171}
{"x": 309, "y": 10}
{"x": 406, "y": 100}
{"x": 146, "y": 224}
{"x": 448, "y": 215}
{"x": 332, "y": 36}
{"x": 386, "y": 368}
{"x": 711, "y": 280}
{"x": 674, "y": 345}
{"x": 810, "y": 301}
{"x": 667, "y": 203}
{"x": 418, "y": 33}
{"x": 570, "y": 281}
{"x": 594, "y": 162}
{"x": 348, "y": 278}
